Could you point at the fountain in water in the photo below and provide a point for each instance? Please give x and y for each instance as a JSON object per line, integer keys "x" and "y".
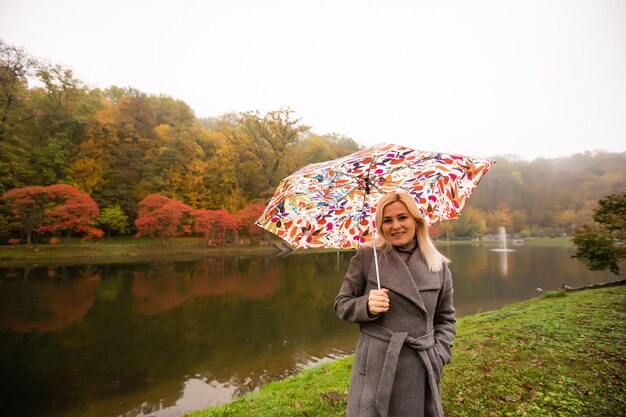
{"x": 503, "y": 262}
{"x": 502, "y": 240}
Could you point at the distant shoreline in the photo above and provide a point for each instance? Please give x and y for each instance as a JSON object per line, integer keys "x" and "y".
{"x": 130, "y": 249}
{"x": 121, "y": 251}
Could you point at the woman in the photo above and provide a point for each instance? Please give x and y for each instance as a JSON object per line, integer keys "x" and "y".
{"x": 408, "y": 326}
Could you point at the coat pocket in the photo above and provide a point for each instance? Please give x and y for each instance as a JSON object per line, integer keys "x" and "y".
{"x": 360, "y": 356}
{"x": 437, "y": 364}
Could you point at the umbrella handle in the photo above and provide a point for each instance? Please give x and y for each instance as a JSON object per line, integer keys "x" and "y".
{"x": 373, "y": 240}
{"x": 376, "y": 263}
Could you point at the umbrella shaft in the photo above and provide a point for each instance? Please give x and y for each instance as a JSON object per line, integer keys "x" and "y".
{"x": 369, "y": 203}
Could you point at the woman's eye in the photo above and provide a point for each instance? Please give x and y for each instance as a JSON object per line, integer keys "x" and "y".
{"x": 386, "y": 220}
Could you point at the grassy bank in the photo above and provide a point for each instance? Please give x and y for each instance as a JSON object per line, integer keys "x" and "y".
{"x": 560, "y": 355}
{"x": 122, "y": 249}
{"x": 532, "y": 242}
{"x": 131, "y": 249}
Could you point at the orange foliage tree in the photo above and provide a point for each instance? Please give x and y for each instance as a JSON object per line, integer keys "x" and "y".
{"x": 54, "y": 209}
{"x": 162, "y": 218}
{"x": 27, "y": 205}
{"x": 213, "y": 224}
{"x": 74, "y": 212}
{"x": 248, "y": 216}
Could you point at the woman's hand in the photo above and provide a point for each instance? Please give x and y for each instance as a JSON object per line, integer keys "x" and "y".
{"x": 378, "y": 301}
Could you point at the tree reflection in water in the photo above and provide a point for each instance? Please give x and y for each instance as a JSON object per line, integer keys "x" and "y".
{"x": 163, "y": 336}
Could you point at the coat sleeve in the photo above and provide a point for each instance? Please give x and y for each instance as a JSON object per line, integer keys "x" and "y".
{"x": 351, "y": 302}
{"x": 444, "y": 321}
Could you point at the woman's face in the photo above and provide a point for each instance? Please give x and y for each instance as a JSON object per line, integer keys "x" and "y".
{"x": 398, "y": 225}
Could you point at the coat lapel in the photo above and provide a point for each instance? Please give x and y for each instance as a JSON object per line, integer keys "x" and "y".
{"x": 397, "y": 277}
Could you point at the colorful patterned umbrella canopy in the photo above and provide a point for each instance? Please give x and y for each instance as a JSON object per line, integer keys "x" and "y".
{"x": 328, "y": 204}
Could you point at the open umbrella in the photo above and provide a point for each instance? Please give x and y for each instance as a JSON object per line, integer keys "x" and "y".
{"x": 330, "y": 204}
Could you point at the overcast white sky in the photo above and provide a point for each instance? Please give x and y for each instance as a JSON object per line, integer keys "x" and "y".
{"x": 529, "y": 78}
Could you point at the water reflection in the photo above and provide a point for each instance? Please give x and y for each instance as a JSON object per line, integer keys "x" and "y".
{"x": 196, "y": 394}
{"x": 128, "y": 340}
{"x": 503, "y": 263}
{"x": 164, "y": 338}
{"x": 161, "y": 289}
{"x": 53, "y": 299}
{"x": 502, "y": 252}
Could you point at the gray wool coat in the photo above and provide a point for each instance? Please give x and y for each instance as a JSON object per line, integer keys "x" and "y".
{"x": 400, "y": 355}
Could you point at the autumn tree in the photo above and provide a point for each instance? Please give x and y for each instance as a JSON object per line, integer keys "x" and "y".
{"x": 470, "y": 224}
{"x": 87, "y": 169}
{"x": 9, "y": 227}
{"x": 221, "y": 176}
{"x": 499, "y": 217}
{"x": 162, "y": 218}
{"x": 15, "y": 66}
{"x": 550, "y": 196}
{"x": 92, "y": 169}
{"x": 40, "y": 127}
{"x": 567, "y": 220}
{"x": 113, "y": 219}
{"x": 214, "y": 224}
{"x": 434, "y": 231}
{"x": 177, "y": 167}
{"x": 125, "y": 130}
{"x": 319, "y": 148}
{"x": 54, "y": 209}
{"x": 248, "y": 217}
{"x": 119, "y": 145}
{"x": 230, "y": 180}
{"x": 267, "y": 142}
{"x": 16, "y": 169}
{"x": 71, "y": 212}
{"x": 172, "y": 112}
{"x": 602, "y": 246}
{"x": 63, "y": 108}
{"x": 28, "y": 205}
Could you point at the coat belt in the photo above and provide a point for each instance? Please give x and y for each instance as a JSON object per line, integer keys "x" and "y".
{"x": 424, "y": 345}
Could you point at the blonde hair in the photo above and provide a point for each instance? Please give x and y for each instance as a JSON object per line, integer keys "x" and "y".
{"x": 434, "y": 259}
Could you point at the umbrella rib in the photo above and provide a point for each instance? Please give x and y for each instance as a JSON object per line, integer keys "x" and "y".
{"x": 399, "y": 186}
{"x": 374, "y": 183}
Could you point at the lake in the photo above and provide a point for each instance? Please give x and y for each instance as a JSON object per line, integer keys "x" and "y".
{"x": 167, "y": 337}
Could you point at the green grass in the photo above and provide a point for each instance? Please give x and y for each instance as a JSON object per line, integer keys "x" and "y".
{"x": 119, "y": 249}
{"x": 532, "y": 242}
{"x": 320, "y": 391}
{"x": 559, "y": 355}
{"x": 562, "y": 355}
{"x": 565, "y": 242}
{"x": 132, "y": 249}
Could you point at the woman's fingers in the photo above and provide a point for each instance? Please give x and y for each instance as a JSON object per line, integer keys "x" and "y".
{"x": 383, "y": 292}
{"x": 380, "y": 295}
{"x": 378, "y": 301}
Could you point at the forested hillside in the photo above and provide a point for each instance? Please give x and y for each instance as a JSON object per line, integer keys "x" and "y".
{"x": 544, "y": 197}
{"x": 119, "y": 145}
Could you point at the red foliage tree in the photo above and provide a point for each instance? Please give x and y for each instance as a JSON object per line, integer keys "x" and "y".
{"x": 213, "y": 224}
{"x": 162, "y": 218}
{"x": 248, "y": 216}
{"x": 434, "y": 232}
{"x": 73, "y": 212}
{"x": 54, "y": 209}
{"x": 28, "y": 205}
